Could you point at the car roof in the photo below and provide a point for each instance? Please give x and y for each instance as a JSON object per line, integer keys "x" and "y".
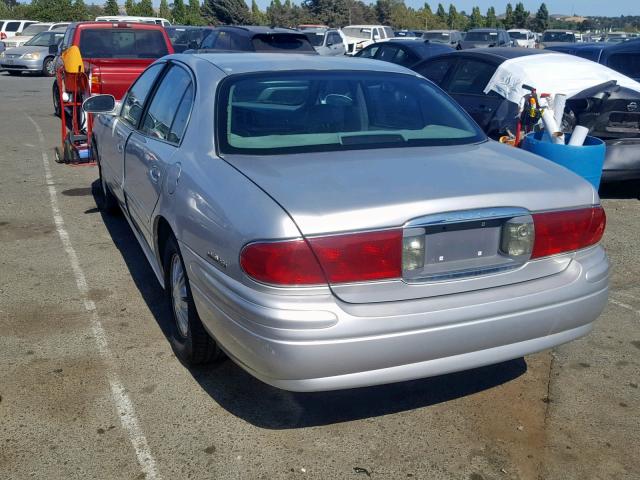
{"x": 234, "y": 63}
{"x": 417, "y": 45}
{"x": 504, "y": 53}
{"x": 136, "y": 25}
{"x": 249, "y": 30}
{"x": 484, "y": 30}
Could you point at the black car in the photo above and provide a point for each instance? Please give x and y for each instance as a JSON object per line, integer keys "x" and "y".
{"x": 184, "y": 37}
{"x": 622, "y": 57}
{"x": 611, "y": 112}
{"x": 256, "y": 39}
{"x": 405, "y": 52}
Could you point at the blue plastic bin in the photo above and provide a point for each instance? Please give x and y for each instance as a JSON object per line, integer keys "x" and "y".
{"x": 586, "y": 161}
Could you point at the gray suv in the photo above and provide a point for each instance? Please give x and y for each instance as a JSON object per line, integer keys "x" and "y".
{"x": 453, "y": 38}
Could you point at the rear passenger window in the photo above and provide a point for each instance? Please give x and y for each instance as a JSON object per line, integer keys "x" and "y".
{"x": 166, "y": 102}
{"x": 209, "y": 40}
{"x": 134, "y": 101}
{"x": 471, "y": 77}
{"x": 182, "y": 116}
{"x": 12, "y": 27}
{"x": 387, "y": 53}
{"x": 404, "y": 58}
{"x": 435, "y": 71}
{"x": 369, "y": 52}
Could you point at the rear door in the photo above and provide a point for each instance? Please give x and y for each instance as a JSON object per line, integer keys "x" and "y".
{"x": 150, "y": 149}
{"x": 466, "y": 85}
{"x": 335, "y": 44}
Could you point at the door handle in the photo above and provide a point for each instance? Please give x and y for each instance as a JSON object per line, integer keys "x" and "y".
{"x": 120, "y": 135}
{"x": 120, "y": 148}
{"x": 154, "y": 174}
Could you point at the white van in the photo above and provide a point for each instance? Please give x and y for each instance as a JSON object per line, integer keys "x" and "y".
{"x": 356, "y": 37}
{"x": 10, "y": 28}
{"x": 124, "y": 18}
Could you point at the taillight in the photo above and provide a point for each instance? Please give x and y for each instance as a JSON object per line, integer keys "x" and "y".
{"x": 356, "y": 257}
{"x": 94, "y": 79}
{"x": 3, "y": 35}
{"x": 568, "y": 230}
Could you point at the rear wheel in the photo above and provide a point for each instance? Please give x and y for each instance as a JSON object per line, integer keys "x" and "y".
{"x": 189, "y": 339}
{"x": 56, "y": 99}
{"x": 13, "y": 73}
{"x": 48, "y": 67}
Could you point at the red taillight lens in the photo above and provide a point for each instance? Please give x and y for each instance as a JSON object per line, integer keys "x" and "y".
{"x": 357, "y": 257}
{"x": 360, "y": 257}
{"x": 290, "y": 262}
{"x": 565, "y": 231}
{"x": 3, "y": 35}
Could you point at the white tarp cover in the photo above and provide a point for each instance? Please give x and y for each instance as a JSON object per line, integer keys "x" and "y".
{"x": 552, "y": 73}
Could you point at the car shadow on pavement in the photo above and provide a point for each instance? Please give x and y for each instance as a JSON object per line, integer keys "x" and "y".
{"x": 620, "y": 190}
{"x": 268, "y": 407}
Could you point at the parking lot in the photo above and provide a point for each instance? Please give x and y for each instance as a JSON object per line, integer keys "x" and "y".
{"x": 90, "y": 388}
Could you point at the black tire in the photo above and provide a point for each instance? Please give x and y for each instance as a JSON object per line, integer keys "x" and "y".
{"x": 56, "y": 99}
{"x": 105, "y": 200}
{"x": 48, "y": 67}
{"x": 189, "y": 339}
{"x": 13, "y": 73}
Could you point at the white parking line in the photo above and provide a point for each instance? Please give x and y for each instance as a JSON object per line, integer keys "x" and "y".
{"x": 624, "y": 305}
{"x": 124, "y": 406}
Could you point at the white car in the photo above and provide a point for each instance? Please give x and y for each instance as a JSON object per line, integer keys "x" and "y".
{"x": 128, "y": 18}
{"x": 522, "y": 37}
{"x": 357, "y": 37}
{"x": 31, "y": 31}
{"x": 10, "y": 28}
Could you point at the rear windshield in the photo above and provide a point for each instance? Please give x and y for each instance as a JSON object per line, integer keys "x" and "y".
{"x": 275, "y": 113}
{"x": 281, "y": 43}
{"x": 34, "y": 30}
{"x": 356, "y": 32}
{"x": 481, "y": 36}
{"x": 437, "y": 36}
{"x": 122, "y": 43}
{"x": 518, "y": 35}
{"x": 558, "y": 37}
{"x": 315, "y": 38}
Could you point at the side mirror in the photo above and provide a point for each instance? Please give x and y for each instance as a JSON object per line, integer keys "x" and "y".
{"x": 99, "y": 104}
{"x": 53, "y": 49}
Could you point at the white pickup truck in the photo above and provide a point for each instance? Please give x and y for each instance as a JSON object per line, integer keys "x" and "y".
{"x": 357, "y": 37}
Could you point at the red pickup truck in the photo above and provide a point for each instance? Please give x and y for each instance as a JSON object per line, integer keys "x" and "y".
{"x": 114, "y": 54}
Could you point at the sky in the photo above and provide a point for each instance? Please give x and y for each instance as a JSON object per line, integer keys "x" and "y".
{"x": 609, "y": 8}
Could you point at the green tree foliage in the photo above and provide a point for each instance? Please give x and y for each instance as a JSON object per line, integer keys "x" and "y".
{"x": 520, "y": 16}
{"x": 178, "y": 12}
{"x": 334, "y": 13}
{"x": 193, "y": 14}
{"x": 145, "y": 9}
{"x": 111, "y": 7}
{"x": 442, "y": 15}
{"x": 542, "y": 18}
{"x": 80, "y": 11}
{"x": 491, "y": 20}
{"x": 164, "y": 11}
{"x": 130, "y": 7}
{"x": 227, "y": 12}
{"x": 453, "y": 17}
{"x": 476, "y": 20}
{"x": 258, "y": 17}
{"x": 51, "y": 10}
{"x": 360, "y": 13}
{"x": 508, "y": 21}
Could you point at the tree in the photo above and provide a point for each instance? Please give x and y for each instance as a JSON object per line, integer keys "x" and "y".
{"x": 50, "y": 10}
{"x": 334, "y": 13}
{"x": 145, "y": 9}
{"x": 164, "y": 11}
{"x": 442, "y": 15}
{"x": 111, "y": 7}
{"x": 80, "y": 11}
{"x": 194, "y": 13}
{"x": 228, "y": 12}
{"x": 491, "y": 20}
{"x": 258, "y": 17}
{"x": 453, "y": 17}
{"x": 508, "y": 21}
{"x": 178, "y": 12}
{"x": 542, "y": 18}
{"x": 520, "y": 16}
{"x": 130, "y": 7}
{"x": 476, "y": 20}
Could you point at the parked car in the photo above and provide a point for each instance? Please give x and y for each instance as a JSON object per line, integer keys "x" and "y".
{"x": 554, "y": 37}
{"x": 405, "y": 52}
{"x": 522, "y": 37}
{"x": 624, "y": 57}
{"x": 10, "y": 28}
{"x": 407, "y": 34}
{"x": 133, "y": 19}
{"x": 616, "y": 37}
{"x": 486, "y": 37}
{"x": 453, "y": 38}
{"x": 601, "y": 99}
{"x": 32, "y": 30}
{"x": 255, "y": 39}
{"x": 34, "y": 56}
{"x": 331, "y": 223}
{"x": 357, "y": 37}
{"x": 2, "y": 47}
{"x": 114, "y": 54}
{"x": 185, "y": 37}
{"x": 326, "y": 41}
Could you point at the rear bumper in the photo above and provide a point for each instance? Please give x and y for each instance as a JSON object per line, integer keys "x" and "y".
{"x": 320, "y": 343}
{"x": 622, "y": 161}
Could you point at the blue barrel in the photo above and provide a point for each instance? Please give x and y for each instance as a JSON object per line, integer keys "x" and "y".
{"x": 586, "y": 161}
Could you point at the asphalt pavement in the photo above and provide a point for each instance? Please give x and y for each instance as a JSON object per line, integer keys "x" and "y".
{"x": 90, "y": 388}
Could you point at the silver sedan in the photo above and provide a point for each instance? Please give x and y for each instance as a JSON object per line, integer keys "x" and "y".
{"x": 330, "y": 224}
{"x": 33, "y": 56}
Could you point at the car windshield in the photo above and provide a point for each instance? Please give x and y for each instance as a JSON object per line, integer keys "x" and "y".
{"x": 122, "y": 43}
{"x": 45, "y": 39}
{"x": 558, "y": 37}
{"x": 289, "y": 112}
{"x": 281, "y": 43}
{"x": 440, "y": 37}
{"x": 34, "y": 30}
{"x": 518, "y": 35}
{"x": 357, "y": 32}
{"x": 481, "y": 36}
{"x": 315, "y": 38}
